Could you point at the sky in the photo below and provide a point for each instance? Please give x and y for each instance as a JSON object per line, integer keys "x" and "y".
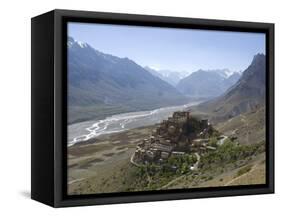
{"x": 171, "y": 48}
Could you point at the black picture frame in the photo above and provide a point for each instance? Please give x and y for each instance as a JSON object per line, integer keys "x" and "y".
{"x": 49, "y": 101}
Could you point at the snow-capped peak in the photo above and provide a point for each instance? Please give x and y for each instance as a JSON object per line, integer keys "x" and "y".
{"x": 153, "y": 67}
{"x": 71, "y": 42}
{"x": 81, "y": 44}
{"x": 167, "y": 73}
{"x": 226, "y": 72}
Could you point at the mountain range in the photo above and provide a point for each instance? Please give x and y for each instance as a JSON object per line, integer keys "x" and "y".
{"x": 170, "y": 76}
{"x": 207, "y": 83}
{"x": 246, "y": 95}
{"x": 101, "y": 84}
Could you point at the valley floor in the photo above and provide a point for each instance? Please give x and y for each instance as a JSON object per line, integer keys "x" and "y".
{"x": 102, "y": 165}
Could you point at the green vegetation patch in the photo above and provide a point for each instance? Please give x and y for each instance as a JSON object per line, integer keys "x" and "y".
{"x": 154, "y": 176}
{"x": 230, "y": 152}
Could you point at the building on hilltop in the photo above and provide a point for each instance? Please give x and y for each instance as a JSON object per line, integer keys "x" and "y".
{"x": 175, "y": 136}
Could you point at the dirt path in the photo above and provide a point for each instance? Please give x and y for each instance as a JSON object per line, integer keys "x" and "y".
{"x": 239, "y": 177}
{"x": 172, "y": 182}
{"x": 75, "y": 180}
{"x": 132, "y": 160}
{"x": 195, "y": 166}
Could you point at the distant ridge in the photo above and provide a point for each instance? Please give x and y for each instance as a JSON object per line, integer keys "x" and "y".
{"x": 207, "y": 83}
{"x": 170, "y": 76}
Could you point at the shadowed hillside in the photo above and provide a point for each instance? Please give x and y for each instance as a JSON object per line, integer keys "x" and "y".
{"x": 248, "y": 94}
{"x": 101, "y": 85}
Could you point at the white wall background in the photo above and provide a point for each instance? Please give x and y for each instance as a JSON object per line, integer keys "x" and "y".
{"x": 15, "y": 106}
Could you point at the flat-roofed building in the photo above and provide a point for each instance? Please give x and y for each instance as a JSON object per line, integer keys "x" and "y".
{"x": 165, "y": 155}
{"x": 162, "y": 147}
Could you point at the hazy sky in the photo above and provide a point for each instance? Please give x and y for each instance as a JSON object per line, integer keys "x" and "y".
{"x": 174, "y": 49}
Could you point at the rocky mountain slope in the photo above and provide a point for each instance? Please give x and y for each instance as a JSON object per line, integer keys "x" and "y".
{"x": 101, "y": 84}
{"x": 247, "y": 95}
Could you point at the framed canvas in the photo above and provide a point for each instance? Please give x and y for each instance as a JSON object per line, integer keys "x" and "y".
{"x": 134, "y": 108}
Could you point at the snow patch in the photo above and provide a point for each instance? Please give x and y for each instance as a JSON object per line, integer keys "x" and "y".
{"x": 81, "y": 44}
{"x": 69, "y": 44}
